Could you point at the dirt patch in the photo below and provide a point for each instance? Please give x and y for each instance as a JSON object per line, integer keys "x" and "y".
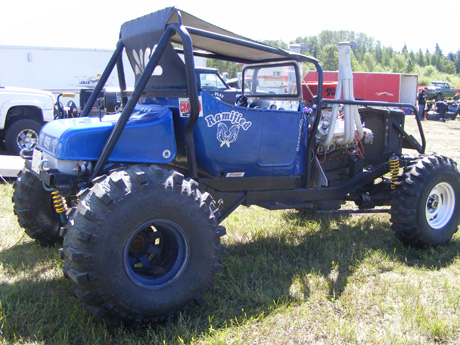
{"x": 441, "y": 137}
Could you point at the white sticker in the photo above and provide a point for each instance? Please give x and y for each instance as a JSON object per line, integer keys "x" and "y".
{"x": 184, "y": 107}
{"x": 36, "y": 160}
{"x": 235, "y": 174}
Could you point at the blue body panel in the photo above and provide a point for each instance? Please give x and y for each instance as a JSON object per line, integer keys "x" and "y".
{"x": 230, "y": 141}
{"x": 241, "y": 141}
{"x": 147, "y": 138}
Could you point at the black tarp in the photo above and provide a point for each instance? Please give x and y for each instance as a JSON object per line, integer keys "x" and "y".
{"x": 140, "y": 36}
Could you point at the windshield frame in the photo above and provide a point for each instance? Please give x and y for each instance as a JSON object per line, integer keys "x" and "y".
{"x": 287, "y": 73}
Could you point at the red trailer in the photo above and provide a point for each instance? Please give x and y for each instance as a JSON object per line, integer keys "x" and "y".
{"x": 383, "y": 87}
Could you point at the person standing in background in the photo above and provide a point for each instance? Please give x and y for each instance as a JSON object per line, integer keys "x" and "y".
{"x": 421, "y": 98}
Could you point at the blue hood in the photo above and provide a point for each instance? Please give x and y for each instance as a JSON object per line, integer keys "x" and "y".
{"x": 148, "y": 137}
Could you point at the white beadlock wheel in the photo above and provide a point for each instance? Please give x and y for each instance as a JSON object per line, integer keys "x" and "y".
{"x": 440, "y": 205}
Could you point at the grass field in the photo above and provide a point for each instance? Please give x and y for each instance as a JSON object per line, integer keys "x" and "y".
{"x": 288, "y": 279}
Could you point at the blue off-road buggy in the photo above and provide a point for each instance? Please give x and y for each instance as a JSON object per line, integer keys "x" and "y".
{"x": 137, "y": 197}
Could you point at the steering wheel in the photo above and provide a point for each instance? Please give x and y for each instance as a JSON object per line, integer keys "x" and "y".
{"x": 241, "y": 101}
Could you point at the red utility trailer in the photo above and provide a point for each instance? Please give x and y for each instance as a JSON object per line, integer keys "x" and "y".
{"x": 370, "y": 86}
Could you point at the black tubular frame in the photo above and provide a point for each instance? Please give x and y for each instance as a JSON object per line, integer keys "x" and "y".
{"x": 184, "y": 34}
{"x": 170, "y": 30}
{"x": 419, "y": 147}
{"x": 268, "y": 192}
{"x": 116, "y": 56}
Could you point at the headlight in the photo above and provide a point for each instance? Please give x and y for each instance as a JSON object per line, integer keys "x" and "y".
{"x": 47, "y": 142}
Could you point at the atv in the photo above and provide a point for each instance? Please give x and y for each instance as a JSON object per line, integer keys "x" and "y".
{"x": 137, "y": 198}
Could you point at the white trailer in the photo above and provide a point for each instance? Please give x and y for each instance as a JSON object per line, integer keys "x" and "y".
{"x": 53, "y": 69}
{"x": 58, "y": 70}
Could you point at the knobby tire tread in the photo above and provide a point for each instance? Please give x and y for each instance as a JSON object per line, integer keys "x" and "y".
{"x": 32, "y": 206}
{"x": 404, "y": 206}
{"x": 82, "y": 235}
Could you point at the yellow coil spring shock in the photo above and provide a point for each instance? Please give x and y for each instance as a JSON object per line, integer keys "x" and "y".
{"x": 59, "y": 203}
{"x": 394, "y": 170}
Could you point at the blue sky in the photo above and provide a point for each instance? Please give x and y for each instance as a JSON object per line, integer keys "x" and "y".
{"x": 95, "y": 24}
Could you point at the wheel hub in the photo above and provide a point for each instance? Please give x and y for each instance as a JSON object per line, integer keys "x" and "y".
{"x": 433, "y": 202}
{"x": 156, "y": 254}
{"x": 27, "y": 139}
{"x": 137, "y": 246}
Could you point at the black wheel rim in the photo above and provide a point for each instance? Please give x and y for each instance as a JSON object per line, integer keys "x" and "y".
{"x": 156, "y": 254}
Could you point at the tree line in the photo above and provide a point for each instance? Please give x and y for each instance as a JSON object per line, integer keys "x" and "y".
{"x": 370, "y": 56}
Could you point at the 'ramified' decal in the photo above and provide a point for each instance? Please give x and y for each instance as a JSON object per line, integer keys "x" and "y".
{"x": 234, "y": 120}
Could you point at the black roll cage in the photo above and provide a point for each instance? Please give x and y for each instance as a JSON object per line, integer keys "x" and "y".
{"x": 185, "y": 34}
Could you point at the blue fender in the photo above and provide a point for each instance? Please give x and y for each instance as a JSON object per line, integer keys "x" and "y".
{"x": 147, "y": 138}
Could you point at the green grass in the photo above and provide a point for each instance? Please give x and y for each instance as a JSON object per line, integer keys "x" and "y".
{"x": 288, "y": 279}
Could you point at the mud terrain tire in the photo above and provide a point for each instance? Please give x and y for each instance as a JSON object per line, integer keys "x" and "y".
{"x": 34, "y": 209}
{"x": 142, "y": 245}
{"x": 426, "y": 208}
{"x": 432, "y": 116}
